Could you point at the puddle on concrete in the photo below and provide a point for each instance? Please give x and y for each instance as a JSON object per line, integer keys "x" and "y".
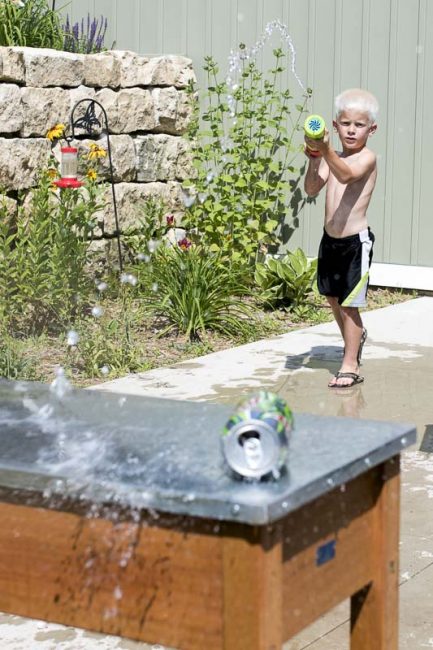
{"x": 397, "y": 386}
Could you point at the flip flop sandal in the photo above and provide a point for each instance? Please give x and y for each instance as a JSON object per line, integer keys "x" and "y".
{"x": 356, "y": 379}
{"x": 361, "y": 345}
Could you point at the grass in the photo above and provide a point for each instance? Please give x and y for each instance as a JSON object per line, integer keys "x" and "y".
{"x": 159, "y": 351}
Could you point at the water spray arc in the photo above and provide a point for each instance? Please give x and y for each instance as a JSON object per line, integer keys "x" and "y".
{"x": 247, "y": 53}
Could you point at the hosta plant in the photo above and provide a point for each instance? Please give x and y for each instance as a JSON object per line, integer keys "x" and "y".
{"x": 287, "y": 281}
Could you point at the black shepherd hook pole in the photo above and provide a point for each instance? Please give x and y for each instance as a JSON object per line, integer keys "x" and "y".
{"x": 88, "y": 122}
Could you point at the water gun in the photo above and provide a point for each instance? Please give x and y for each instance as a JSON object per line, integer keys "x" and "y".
{"x": 314, "y": 128}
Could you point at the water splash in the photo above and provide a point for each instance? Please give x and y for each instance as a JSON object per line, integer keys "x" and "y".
{"x": 60, "y": 386}
{"x": 237, "y": 57}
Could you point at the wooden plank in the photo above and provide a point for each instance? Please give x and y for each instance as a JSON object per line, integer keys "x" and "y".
{"x": 340, "y": 522}
{"x": 145, "y": 581}
{"x": 253, "y": 603}
{"x": 374, "y": 609}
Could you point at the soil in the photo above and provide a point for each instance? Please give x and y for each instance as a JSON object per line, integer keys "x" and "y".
{"x": 166, "y": 350}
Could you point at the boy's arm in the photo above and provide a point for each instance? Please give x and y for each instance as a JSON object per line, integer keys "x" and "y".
{"x": 316, "y": 176}
{"x": 343, "y": 172}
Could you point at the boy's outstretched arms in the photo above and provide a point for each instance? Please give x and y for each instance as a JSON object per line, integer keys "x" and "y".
{"x": 344, "y": 173}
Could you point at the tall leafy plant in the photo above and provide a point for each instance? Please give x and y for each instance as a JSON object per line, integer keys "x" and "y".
{"x": 193, "y": 291}
{"x": 44, "y": 255}
{"x": 31, "y": 23}
{"x": 245, "y": 161}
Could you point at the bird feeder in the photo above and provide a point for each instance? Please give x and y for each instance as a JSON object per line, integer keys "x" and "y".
{"x": 68, "y": 168}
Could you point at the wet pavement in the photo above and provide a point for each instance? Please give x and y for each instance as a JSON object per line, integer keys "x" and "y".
{"x": 397, "y": 366}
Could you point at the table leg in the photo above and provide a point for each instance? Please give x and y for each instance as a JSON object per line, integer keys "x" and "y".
{"x": 253, "y": 607}
{"x": 374, "y": 609}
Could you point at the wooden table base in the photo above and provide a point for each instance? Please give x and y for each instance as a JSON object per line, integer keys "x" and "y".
{"x": 198, "y": 584}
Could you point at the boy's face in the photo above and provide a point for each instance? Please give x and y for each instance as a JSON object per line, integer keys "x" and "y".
{"x": 353, "y": 128}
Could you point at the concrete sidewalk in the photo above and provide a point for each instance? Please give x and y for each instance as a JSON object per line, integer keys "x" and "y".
{"x": 397, "y": 365}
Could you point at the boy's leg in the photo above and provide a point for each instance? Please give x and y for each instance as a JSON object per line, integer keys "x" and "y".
{"x": 336, "y": 310}
{"x": 352, "y": 332}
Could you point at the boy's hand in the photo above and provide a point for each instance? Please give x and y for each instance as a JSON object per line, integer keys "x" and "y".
{"x": 317, "y": 148}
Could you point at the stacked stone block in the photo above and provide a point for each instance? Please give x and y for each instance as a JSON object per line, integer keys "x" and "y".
{"x": 148, "y": 112}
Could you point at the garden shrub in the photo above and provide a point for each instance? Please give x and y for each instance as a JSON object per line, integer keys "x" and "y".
{"x": 193, "y": 291}
{"x": 31, "y": 23}
{"x": 287, "y": 281}
{"x": 244, "y": 155}
{"x": 44, "y": 254}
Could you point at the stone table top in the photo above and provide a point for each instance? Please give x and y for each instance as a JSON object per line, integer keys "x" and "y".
{"x": 165, "y": 455}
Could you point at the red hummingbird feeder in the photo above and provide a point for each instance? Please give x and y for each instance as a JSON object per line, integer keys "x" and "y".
{"x": 68, "y": 168}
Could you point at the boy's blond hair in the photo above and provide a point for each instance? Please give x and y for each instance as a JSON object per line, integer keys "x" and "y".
{"x": 358, "y": 99}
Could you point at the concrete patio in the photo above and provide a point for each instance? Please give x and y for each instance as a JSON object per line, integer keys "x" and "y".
{"x": 397, "y": 365}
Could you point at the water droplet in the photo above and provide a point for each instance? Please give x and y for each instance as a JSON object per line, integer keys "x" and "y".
{"x": 285, "y": 505}
{"x": 235, "y": 509}
{"x": 104, "y": 370}
{"x": 330, "y": 481}
{"x": 188, "y": 198}
{"x": 102, "y": 286}
{"x": 128, "y": 278}
{"x": 97, "y": 311}
{"x": 403, "y": 441}
{"x": 60, "y": 386}
{"x": 72, "y": 337}
{"x": 367, "y": 461}
{"x": 155, "y": 287}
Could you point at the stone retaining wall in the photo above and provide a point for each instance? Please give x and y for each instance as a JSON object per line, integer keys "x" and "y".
{"x": 147, "y": 108}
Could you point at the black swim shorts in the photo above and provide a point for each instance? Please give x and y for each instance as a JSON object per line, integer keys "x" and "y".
{"x": 343, "y": 267}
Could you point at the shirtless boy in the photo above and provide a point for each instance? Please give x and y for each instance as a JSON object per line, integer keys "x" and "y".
{"x": 346, "y": 248}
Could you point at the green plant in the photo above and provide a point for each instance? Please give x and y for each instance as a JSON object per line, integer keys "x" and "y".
{"x": 289, "y": 281}
{"x": 44, "y": 255}
{"x": 246, "y": 179}
{"x": 194, "y": 291}
{"x": 31, "y": 23}
{"x": 142, "y": 239}
{"x": 15, "y": 361}
{"x": 101, "y": 343}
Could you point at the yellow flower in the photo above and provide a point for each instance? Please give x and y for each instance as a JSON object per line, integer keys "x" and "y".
{"x": 96, "y": 151}
{"x": 56, "y": 132}
{"x": 92, "y": 175}
{"x": 52, "y": 173}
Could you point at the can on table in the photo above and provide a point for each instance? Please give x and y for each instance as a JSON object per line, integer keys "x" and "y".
{"x": 255, "y": 438}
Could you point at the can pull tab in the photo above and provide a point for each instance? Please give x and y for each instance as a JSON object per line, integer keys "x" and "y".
{"x": 253, "y": 449}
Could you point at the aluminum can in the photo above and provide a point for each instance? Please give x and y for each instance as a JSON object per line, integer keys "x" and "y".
{"x": 255, "y": 439}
